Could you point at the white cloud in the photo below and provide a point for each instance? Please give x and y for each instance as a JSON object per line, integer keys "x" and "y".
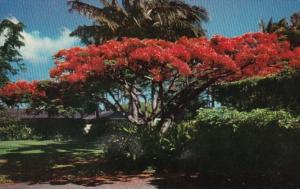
{"x": 40, "y": 49}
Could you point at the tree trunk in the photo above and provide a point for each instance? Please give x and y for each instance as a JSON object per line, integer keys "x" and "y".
{"x": 97, "y": 114}
{"x": 175, "y": 107}
{"x": 166, "y": 124}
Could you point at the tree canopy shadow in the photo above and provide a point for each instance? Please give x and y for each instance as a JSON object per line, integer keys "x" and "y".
{"x": 62, "y": 163}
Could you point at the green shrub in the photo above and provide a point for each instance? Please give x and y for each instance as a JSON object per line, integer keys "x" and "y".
{"x": 125, "y": 145}
{"x": 131, "y": 145}
{"x": 259, "y": 117}
{"x": 121, "y": 141}
{"x": 280, "y": 91}
{"x": 233, "y": 144}
{"x": 11, "y": 128}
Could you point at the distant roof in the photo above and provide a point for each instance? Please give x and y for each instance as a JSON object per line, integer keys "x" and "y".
{"x": 25, "y": 114}
{"x": 105, "y": 114}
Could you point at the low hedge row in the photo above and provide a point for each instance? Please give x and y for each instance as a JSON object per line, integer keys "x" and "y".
{"x": 260, "y": 144}
{"x": 12, "y": 128}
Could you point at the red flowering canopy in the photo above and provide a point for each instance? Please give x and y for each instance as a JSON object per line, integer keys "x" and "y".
{"x": 165, "y": 74}
{"x": 248, "y": 55}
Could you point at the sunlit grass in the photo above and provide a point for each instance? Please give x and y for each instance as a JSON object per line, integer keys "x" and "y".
{"x": 23, "y": 147}
{"x": 11, "y": 146}
{"x": 58, "y": 157}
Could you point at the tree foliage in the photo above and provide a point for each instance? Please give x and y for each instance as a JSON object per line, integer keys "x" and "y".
{"x": 274, "y": 92}
{"x": 290, "y": 29}
{"x": 11, "y": 41}
{"x": 243, "y": 146}
{"x": 164, "y": 75}
{"x": 160, "y": 19}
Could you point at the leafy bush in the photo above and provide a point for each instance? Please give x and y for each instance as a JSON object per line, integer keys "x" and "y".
{"x": 132, "y": 146}
{"x": 124, "y": 145}
{"x": 276, "y": 92}
{"x": 232, "y": 144}
{"x": 225, "y": 117}
{"x": 121, "y": 141}
{"x": 12, "y": 128}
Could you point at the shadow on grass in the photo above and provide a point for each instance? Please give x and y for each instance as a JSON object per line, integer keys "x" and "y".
{"x": 62, "y": 163}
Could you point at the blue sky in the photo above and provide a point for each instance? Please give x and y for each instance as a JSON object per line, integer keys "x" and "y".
{"x": 48, "y": 24}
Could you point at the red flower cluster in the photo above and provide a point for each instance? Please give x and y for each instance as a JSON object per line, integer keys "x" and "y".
{"x": 247, "y": 55}
{"x": 20, "y": 89}
{"x": 79, "y": 62}
{"x": 294, "y": 57}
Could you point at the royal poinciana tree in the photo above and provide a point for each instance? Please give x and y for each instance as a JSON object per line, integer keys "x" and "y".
{"x": 149, "y": 80}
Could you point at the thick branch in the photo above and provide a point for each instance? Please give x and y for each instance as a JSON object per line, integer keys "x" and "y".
{"x": 154, "y": 97}
{"x": 175, "y": 105}
{"x": 116, "y": 101}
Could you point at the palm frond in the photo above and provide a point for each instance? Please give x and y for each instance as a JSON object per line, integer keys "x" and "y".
{"x": 262, "y": 25}
{"x": 93, "y": 12}
{"x": 295, "y": 20}
{"x": 270, "y": 25}
{"x": 105, "y": 3}
{"x": 165, "y": 19}
{"x": 283, "y": 23}
{"x": 177, "y": 11}
{"x": 197, "y": 12}
{"x": 93, "y": 34}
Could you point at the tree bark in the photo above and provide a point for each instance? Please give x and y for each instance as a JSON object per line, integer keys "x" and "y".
{"x": 176, "y": 104}
{"x": 97, "y": 114}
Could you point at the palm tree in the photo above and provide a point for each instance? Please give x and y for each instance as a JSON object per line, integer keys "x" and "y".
{"x": 274, "y": 27}
{"x": 295, "y": 20}
{"x": 163, "y": 19}
{"x": 290, "y": 29}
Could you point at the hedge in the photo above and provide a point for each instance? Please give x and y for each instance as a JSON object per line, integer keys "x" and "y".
{"x": 256, "y": 145}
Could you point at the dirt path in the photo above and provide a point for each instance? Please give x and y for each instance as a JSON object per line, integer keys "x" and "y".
{"x": 119, "y": 182}
{"x": 133, "y": 184}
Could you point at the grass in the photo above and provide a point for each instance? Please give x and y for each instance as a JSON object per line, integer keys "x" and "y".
{"x": 7, "y": 147}
{"x": 59, "y": 162}
{"x": 35, "y": 161}
{"x": 38, "y": 147}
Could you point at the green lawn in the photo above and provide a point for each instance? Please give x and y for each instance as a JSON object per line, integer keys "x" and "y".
{"x": 35, "y": 161}
{"x": 7, "y": 147}
{"x": 39, "y": 147}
